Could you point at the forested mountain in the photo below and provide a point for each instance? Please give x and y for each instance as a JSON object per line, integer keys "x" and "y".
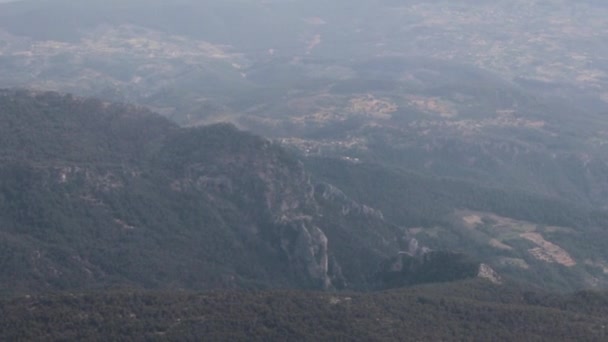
{"x": 94, "y": 194}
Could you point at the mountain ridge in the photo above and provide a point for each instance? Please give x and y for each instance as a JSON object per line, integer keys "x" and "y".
{"x": 99, "y": 194}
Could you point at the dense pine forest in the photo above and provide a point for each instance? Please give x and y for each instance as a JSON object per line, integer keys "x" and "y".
{"x": 462, "y": 311}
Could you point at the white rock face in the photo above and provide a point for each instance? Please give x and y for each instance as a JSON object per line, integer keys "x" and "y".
{"x": 486, "y": 272}
{"x": 311, "y": 248}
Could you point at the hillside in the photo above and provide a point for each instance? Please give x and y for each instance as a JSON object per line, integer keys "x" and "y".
{"x": 460, "y": 311}
{"x": 94, "y": 194}
{"x": 538, "y": 240}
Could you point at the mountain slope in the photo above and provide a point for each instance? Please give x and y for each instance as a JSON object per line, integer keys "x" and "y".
{"x": 459, "y": 311}
{"x": 94, "y": 194}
